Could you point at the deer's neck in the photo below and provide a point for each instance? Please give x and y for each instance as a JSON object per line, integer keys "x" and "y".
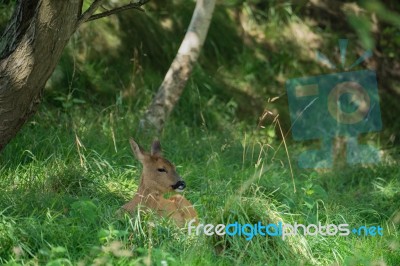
{"x": 145, "y": 193}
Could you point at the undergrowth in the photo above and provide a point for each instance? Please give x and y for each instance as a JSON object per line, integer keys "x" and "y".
{"x": 61, "y": 184}
{"x": 70, "y": 168}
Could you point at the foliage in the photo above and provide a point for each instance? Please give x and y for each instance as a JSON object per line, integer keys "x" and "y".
{"x": 62, "y": 183}
{"x": 70, "y": 169}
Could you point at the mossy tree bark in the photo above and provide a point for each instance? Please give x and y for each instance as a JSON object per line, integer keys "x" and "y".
{"x": 152, "y": 123}
{"x": 30, "y": 49}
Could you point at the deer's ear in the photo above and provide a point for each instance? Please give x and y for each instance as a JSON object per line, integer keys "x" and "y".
{"x": 137, "y": 150}
{"x": 156, "y": 148}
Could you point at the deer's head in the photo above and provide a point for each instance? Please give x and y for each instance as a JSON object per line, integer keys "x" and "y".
{"x": 159, "y": 175}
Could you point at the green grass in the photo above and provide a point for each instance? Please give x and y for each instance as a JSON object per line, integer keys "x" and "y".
{"x": 67, "y": 172}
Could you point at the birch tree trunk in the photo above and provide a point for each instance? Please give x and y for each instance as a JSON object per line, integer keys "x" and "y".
{"x": 176, "y": 78}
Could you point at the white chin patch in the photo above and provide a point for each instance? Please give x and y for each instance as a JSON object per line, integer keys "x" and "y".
{"x": 179, "y": 190}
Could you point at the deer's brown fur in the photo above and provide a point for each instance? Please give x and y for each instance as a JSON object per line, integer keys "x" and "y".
{"x": 159, "y": 176}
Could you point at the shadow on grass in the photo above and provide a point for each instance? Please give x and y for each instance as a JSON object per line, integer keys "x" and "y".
{"x": 69, "y": 209}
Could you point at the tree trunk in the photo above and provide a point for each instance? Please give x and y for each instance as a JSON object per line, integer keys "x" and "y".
{"x": 175, "y": 80}
{"x": 30, "y": 49}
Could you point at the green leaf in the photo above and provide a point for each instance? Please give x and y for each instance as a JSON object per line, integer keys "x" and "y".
{"x": 85, "y": 210}
{"x": 362, "y": 25}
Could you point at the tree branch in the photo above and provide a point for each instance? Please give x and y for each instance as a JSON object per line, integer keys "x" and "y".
{"x": 89, "y": 12}
{"x": 107, "y": 13}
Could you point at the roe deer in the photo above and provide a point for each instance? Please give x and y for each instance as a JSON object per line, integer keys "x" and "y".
{"x": 159, "y": 177}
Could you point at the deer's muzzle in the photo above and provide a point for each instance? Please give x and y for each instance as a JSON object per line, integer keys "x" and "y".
{"x": 179, "y": 186}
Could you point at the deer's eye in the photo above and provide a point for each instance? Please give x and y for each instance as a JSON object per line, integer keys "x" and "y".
{"x": 162, "y": 170}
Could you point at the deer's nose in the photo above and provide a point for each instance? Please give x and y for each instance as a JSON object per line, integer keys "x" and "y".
{"x": 179, "y": 186}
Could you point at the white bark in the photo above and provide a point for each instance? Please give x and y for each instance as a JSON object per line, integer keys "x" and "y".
{"x": 176, "y": 78}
